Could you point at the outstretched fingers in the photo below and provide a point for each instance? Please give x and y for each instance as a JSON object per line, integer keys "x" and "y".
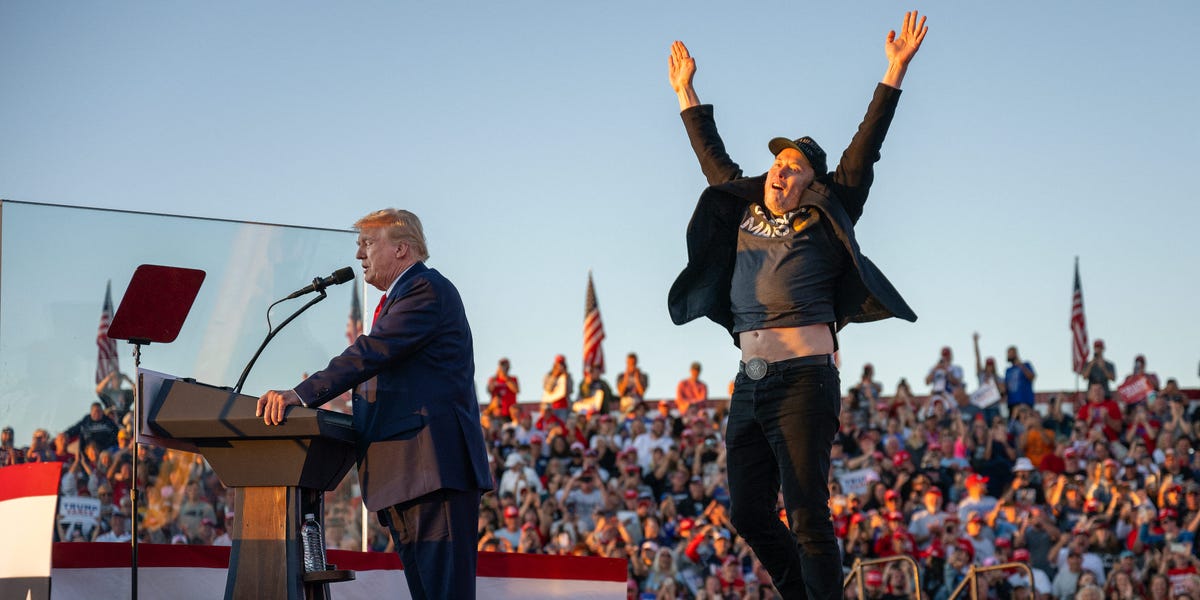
{"x": 914, "y": 29}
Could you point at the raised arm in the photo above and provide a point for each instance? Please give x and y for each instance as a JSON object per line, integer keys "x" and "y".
{"x": 901, "y": 48}
{"x": 715, "y": 162}
{"x": 856, "y": 169}
{"x": 978, "y": 363}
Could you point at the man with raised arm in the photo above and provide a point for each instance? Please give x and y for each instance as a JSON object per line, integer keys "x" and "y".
{"x": 774, "y": 260}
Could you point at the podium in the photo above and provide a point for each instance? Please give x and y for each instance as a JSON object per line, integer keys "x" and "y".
{"x": 279, "y": 473}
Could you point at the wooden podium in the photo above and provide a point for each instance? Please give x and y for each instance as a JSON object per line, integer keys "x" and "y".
{"x": 280, "y": 473}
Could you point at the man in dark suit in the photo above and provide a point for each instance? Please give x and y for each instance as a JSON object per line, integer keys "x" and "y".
{"x": 417, "y": 370}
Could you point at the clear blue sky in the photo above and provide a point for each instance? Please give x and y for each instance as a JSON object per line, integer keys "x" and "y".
{"x": 538, "y": 140}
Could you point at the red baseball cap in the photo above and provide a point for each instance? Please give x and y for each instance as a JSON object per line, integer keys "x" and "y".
{"x": 873, "y": 578}
{"x": 510, "y": 511}
{"x": 899, "y": 458}
{"x": 966, "y": 546}
{"x": 1020, "y": 555}
{"x": 891, "y": 495}
{"x": 631, "y": 494}
{"x": 976, "y": 479}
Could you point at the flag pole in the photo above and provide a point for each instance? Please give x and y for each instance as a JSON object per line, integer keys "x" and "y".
{"x": 1079, "y": 371}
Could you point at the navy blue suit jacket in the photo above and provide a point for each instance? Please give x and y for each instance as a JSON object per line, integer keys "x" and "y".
{"x": 416, "y": 413}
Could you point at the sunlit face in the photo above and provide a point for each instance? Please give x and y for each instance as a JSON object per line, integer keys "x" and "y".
{"x": 787, "y": 179}
{"x": 933, "y": 502}
{"x": 382, "y": 259}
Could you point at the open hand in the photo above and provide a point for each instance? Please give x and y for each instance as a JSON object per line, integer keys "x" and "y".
{"x": 682, "y": 67}
{"x": 902, "y": 47}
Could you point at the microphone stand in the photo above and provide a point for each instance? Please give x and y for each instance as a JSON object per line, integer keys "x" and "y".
{"x": 134, "y": 497}
{"x": 246, "y": 372}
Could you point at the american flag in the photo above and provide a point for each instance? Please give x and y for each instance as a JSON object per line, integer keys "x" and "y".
{"x": 593, "y": 330}
{"x": 106, "y": 353}
{"x": 1079, "y": 338}
{"x": 354, "y": 325}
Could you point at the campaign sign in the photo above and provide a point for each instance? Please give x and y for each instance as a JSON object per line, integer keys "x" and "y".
{"x": 1135, "y": 389}
{"x": 987, "y": 395}
{"x": 79, "y": 510}
{"x": 857, "y": 482}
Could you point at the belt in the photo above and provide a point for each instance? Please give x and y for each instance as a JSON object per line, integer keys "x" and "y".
{"x": 757, "y": 368}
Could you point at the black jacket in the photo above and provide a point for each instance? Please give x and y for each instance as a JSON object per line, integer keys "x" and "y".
{"x": 702, "y": 289}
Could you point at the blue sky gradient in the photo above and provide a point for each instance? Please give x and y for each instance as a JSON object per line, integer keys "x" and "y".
{"x": 538, "y": 140}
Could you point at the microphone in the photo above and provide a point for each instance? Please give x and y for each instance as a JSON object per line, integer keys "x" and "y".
{"x": 341, "y": 275}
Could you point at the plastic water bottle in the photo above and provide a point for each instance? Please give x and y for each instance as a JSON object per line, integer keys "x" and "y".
{"x": 314, "y": 546}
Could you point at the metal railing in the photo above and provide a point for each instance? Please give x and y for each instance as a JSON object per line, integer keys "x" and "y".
{"x": 856, "y": 572}
{"x": 974, "y": 571}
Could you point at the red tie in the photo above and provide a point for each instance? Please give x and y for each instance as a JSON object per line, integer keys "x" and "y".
{"x": 379, "y": 309}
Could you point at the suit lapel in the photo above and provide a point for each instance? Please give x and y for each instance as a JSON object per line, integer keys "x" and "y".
{"x": 400, "y": 287}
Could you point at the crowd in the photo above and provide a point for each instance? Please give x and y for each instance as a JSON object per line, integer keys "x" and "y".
{"x": 1098, "y": 494}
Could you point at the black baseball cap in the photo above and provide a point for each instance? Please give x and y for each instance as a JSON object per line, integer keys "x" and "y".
{"x": 806, "y": 146}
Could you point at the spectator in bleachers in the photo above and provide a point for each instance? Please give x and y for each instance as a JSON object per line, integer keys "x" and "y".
{"x": 595, "y": 395}
{"x": 690, "y": 391}
{"x": 9, "y": 453}
{"x": 95, "y": 427}
{"x": 119, "y": 531}
{"x": 945, "y": 378}
{"x": 40, "y": 449}
{"x": 1099, "y": 371}
{"x": 1120, "y": 504}
{"x": 556, "y": 389}
{"x": 1100, "y": 412}
{"x": 503, "y": 389}
{"x": 1018, "y": 380}
{"x": 194, "y": 510}
{"x": 632, "y": 383}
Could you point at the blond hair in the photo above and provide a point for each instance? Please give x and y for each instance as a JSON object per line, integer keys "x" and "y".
{"x": 401, "y": 226}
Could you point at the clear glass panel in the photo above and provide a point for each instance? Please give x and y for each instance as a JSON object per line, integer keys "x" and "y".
{"x": 55, "y": 264}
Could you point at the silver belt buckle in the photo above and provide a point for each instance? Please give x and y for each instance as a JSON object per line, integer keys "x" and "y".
{"x": 756, "y": 368}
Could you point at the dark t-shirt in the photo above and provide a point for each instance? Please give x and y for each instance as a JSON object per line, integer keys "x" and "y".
{"x": 1096, "y": 375}
{"x": 786, "y": 270}
{"x": 103, "y": 432}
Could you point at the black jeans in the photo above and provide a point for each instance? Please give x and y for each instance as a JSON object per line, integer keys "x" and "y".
{"x": 779, "y": 434}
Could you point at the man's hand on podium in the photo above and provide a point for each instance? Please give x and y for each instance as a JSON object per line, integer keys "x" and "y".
{"x": 274, "y": 403}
